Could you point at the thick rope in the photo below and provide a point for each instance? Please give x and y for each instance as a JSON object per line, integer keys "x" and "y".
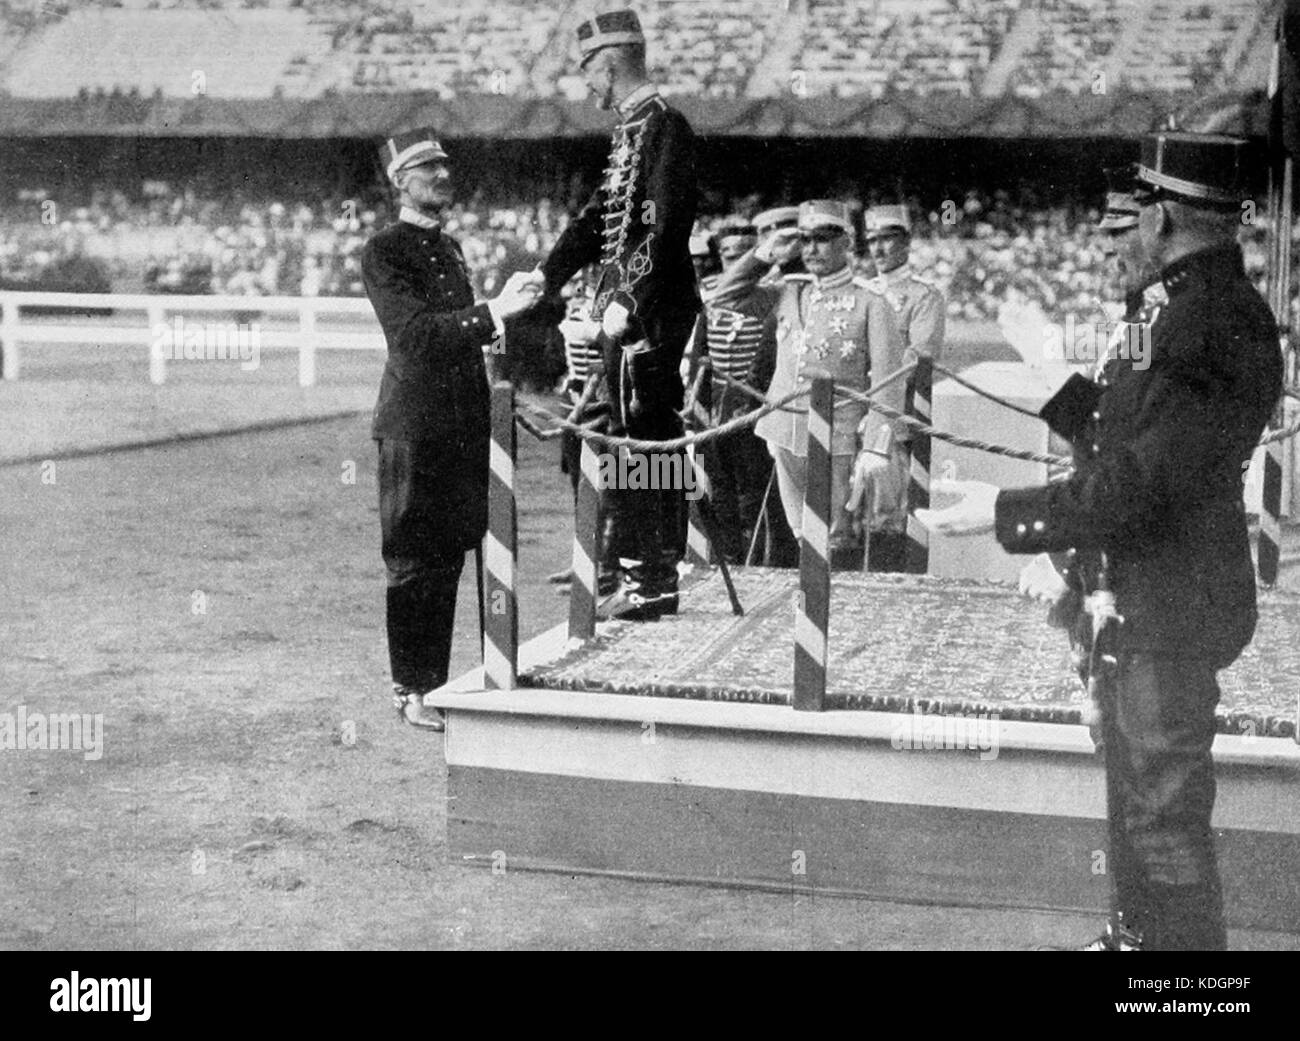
{"x": 943, "y": 371}
{"x": 751, "y": 418}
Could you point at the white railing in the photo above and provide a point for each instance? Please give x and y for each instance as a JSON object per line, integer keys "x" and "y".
{"x": 158, "y": 311}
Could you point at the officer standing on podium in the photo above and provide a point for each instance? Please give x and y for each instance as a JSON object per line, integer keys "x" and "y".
{"x": 1157, "y": 495}
{"x": 637, "y": 227}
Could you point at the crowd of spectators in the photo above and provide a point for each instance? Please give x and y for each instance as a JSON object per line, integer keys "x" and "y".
{"x": 986, "y": 250}
{"x": 709, "y": 48}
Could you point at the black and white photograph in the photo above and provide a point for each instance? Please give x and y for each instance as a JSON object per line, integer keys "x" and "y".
{"x": 649, "y": 475}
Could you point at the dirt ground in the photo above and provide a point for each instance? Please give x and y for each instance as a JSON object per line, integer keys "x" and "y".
{"x": 220, "y": 603}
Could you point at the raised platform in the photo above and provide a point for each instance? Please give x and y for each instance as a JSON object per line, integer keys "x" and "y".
{"x": 951, "y": 773}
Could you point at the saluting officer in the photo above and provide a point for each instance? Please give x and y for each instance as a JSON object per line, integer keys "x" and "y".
{"x": 432, "y": 418}
{"x": 637, "y": 227}
{"x": 826, "y": 320}
{"x": 1157, "y": 496}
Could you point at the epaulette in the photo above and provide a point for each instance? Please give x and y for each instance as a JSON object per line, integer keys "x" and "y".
{"x": 866, "y": 283}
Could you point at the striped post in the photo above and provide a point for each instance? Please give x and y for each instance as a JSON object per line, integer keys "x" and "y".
{"x": 9, "y": 338}
{"x": 918, "y": 483}
{"x": 697, "y": 418}
{"x": 586, "y": 535}
{"x": 812, "y": 613}
{"x": 697, "y": 541}
{"x": 501, "y": 608}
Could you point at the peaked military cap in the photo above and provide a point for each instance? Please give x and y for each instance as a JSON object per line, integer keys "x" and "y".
{"x": 411, "y": 148}
{"x": 887, "y": 220}
{"x": 777, "y": 217}
{"x": 700, "y": 244}
{"x": 736, "y": 227}
{"x": 1204, "y": 169}
{"x": 1122, "y": 208}
{"x": 611, "y": 29}
{"x": 819, "y": 213}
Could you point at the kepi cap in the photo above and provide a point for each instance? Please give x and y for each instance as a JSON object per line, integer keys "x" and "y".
{"x": 412, "y": 148}
{"x": 1122, "y": 208}
{"x": 821, "y": 213}
{"x": 611, "y": 29}
{"x": 777, "y": 217}
{"x": 886, "y": 220}
{"x": 1204, "y": 169}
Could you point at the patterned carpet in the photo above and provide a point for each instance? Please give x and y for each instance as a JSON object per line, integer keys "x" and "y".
{"x": 897, "y": 643}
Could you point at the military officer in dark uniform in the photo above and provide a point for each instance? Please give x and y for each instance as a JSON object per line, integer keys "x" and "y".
{"x": 637, "y": 226}
{"x": 1156, "y": 499}
{"x": 431, "y": 419}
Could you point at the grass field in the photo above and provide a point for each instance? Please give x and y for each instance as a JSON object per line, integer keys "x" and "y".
{"x": 219, "y": 601}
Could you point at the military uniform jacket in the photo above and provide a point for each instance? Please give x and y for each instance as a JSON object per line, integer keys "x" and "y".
{"x": 434, "y": 389}
{"x": 638, "y": 223}
{"x": 434, "y": 385}
{"x": 919, "y": 308}
{"x": 838, "y": 326}
{"x": 731, "y": 336}
{"x": 1159, "y": 488}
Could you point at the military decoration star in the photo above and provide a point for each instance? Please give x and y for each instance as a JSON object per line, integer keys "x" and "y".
{"x": 823, "y": 348}
{"x": 839, "y": 326}
{"x": 846, "y": 348}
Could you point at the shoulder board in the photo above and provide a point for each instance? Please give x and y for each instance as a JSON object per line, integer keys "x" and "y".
{"x": 797, "y": 276}
{"x": 866, "y": 283}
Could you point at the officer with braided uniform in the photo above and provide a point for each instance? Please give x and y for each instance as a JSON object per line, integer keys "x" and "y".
{"x": 637, "y": 227}
{"x": 1157, "y": 497}
{"x": 738, "y": 465}
{"x": 827, "y": 320}
{"x": 431, "y": 420}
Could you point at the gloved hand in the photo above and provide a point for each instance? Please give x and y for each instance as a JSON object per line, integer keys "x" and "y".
{"x": 1040, "y": 579}
{"x": 777, "y": 243}
{"x": 879, "y": 484}
{"x": 615, "y": 321}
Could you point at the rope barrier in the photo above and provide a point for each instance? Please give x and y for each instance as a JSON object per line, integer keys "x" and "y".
{"x": 943, "y": 371}
{"x": 865, "y": 397}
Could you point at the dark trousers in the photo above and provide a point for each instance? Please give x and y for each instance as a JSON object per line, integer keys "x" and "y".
{"x": 645, "y": 392}
{"x": 424, "y": 558}
{"x": 1157, "y": 729}
{"x": 738, "y": 467}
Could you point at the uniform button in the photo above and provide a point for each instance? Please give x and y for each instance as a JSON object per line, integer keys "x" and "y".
{"x": 1096, "y": 447}
{"x": 1096, "y": 415}
{"x": 1020, "y": 529}
{"x": 1039, "y": 525}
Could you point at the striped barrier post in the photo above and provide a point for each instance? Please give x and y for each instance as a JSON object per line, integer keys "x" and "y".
{"x": 9, "y": 338}
{"x": 697, "y": 418}
{"x": 918, "y": 482}
{"x": 812, "y": 612}
{"x": 586, "y": 534}
{"x": 697, "y": 542}
{"x": 501, "y": 607}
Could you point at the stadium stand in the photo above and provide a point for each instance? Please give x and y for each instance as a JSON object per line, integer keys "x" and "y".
{"x": 926, "y": 47}
{"x": 706, "y": 48}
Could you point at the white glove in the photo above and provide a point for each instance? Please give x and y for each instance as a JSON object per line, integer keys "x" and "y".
{"x": 1040, "y": 580}
{"x": 974, "y": 514}
{"x": 615, "y": 321}
{"x": 520, "y": 292}
{"x": 780, "y": 239}
{"x": 876, "y": 490}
